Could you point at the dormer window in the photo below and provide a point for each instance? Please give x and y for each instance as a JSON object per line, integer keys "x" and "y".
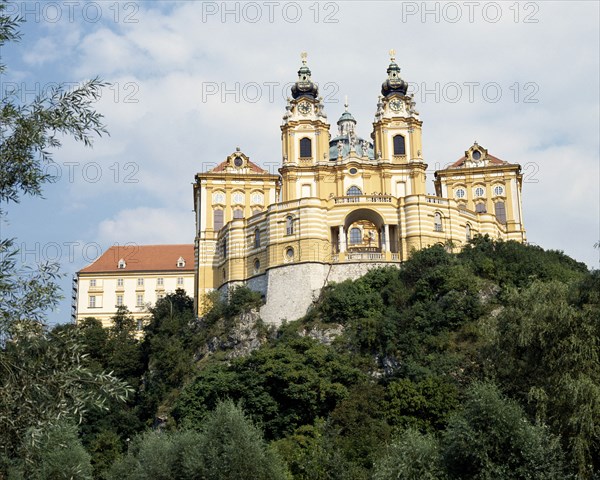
{"x": 180, "y": 262}
{"x": 476, "y": 155}
{"x": 121, "y": 264}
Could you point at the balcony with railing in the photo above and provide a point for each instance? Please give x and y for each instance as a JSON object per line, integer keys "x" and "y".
{"x": 365, "y": 256}
{"x": 436, "y": 200}
{"x": 364, "y": 199}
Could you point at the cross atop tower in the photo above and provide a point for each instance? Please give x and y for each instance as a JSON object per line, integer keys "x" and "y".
{"x": 392, "y": 55}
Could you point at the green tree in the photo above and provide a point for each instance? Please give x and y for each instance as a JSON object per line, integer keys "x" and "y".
{"x": 232, "y": 447}
{"x": 412, "y": 456}
{"x": 283, "y": 385}
{"x": 43, "y": 379}
{"x": 227, "y": 447}
{"x": 170, "y": 342}
{"x": 60, "y": 454}
{"x": 491, "y": 438}
{"x": 546, "y": 352}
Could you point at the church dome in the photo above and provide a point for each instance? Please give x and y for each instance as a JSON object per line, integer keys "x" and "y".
{"x": 346, "y": 117}
{"x": 347, "y": 141}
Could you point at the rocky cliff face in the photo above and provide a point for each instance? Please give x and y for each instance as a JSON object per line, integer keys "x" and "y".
{"x": 236, "y": 338}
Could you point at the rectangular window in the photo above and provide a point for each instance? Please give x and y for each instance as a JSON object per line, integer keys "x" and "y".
{"x": 92, "y": 302}
{"x": 218, "y": 220}
{"x": 119, "y": 282}
{"x": 92, "y": 283}
{"x": 399, "y": 145}
{"x": 500, "y": 212}
{"x": 160, "y": 281}
{"x": 305, "y": 148}
{"x": 119, "y": 300}
{"x": 140, "y": 282}
{"x": 179, "y": 280}
{"x": 140, "y": 300}
{"x": 140, "y": 325}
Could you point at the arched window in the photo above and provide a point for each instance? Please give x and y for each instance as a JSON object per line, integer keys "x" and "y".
{"x": 218, "y": 220}
{"x": 256, "y": 238}
{"x": 355, "y": 236}
{"x": 399, "y": 145}
{"x": 468, "y": 232}
{"x": 305, "y": 147}
{"x": 238, "y": 213}
{"x": 354, "y": 191}
{"x": 256, "y": 265}
{"x": 289, "y": 225}
{"x": 480, "y": 208}
{"x": 500, "y": 212}
{"x": 437, "y": 222}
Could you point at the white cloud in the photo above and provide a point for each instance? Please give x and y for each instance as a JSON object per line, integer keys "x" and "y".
{"x": 147, "y": 226}
{"x": 160, "y": 121}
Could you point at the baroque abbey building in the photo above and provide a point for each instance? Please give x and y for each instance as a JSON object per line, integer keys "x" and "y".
{"x": 342, "y": 204}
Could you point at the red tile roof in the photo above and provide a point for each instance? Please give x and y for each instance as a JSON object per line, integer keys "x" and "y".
{"x": 493, "y": 160}
{"x": 252, "y": 166}
{"x": 143, "y": 258}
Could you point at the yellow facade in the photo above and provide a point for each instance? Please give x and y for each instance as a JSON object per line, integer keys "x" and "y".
{"x": 132, "y": 276}
{"x": 341, "y": 199}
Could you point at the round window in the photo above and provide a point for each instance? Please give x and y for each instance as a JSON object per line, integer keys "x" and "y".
{"x": 460, "y": 193}
{"x": 498, "y": 190}
{"x": 353, "y": 171}
{"x": 238, "y": 198}
{"x": 479, "y": 192}
{"x": 256, "y": 265}
{"x": 238, "y": 162}
{"x": 219, "y": 197}
{"x": 289, "y": 253}
{"x": 476, "y": 154}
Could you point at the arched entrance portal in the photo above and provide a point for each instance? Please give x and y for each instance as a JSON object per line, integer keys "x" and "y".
{"x": 363, "y": 234}
{"x": 363, "y": 229}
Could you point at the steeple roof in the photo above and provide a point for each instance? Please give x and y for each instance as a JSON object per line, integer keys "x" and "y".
{"x": 393, "y": 84}
{"x": 304, "y": 86}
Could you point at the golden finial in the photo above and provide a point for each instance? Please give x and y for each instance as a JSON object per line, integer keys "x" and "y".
{"x": 393, "y": 55}
{"x": 303, "y": 56}
{"x": 346, "y": 102}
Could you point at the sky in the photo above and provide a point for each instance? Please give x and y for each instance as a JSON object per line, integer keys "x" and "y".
{"x": 191, "y": 81}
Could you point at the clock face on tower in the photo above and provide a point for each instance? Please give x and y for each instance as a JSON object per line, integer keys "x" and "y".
{"x": 396, "y": 105}
{"x": 304, "y": 108}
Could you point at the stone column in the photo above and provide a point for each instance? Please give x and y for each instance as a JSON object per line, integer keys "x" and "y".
{"x": 341, "y": 239}
{"x": 386, "y": 229}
